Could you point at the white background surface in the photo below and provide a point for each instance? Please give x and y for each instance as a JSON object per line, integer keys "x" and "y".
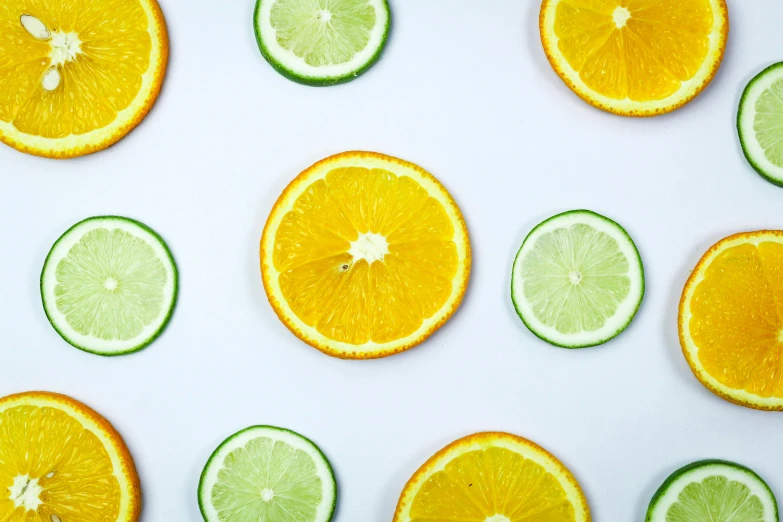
{"x": 464, "y": 90}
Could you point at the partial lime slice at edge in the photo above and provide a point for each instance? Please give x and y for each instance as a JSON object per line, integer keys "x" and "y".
{"x": 713, "y": 490}
{"x": 608, "y": 258}
{"x": 238, "y": 446}
{"x": 760, "y": 123}
{"x": 92, "y": 273}
{"x": 307, "y": 29}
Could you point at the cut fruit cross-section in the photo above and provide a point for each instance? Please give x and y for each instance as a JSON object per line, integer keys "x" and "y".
{"x": 731, "y": 319}
{"x": 365, "y": 255}
{"x": 322, "y": 42}
{"x": 492, "y": 477}
{"x": 635, "y": 57}
{"x": 577, "y": 280}
{"x": 109, "y": 285}
{"x": 75, "y": 77}
{"x": 267, "y": 474}
{"x": 760, "y": 123}
{"x": 713, "y": 490}
{"x": 61, "y": 461}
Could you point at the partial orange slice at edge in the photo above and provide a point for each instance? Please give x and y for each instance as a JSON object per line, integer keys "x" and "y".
{"x": 731, "y": 319}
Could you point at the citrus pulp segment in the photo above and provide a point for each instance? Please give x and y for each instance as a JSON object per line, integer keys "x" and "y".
{"x": 760, "y": 123}
{"x": 635, "y": 57}
{"x": 60, "y": 461}
{"x": 577, "y": 280}
{"x": 365, "y": 255}
{"x": 713, "y": 490}
{"x": 267, "y": 474}
{"x": 75, "y": 77}
{"x": 322, "y": 42}
{"x": 109, "y": 285}
{"x": 492, "y": 477}
{"x": 731, "y": 319}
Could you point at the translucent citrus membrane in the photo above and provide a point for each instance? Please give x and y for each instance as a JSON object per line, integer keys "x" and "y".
{"x": 736, "y": 319}
{"x": 50, "y": 465}
{"x": 110, "y": 285}
{"x": 480, "y": 485}
{"x": 100, "y": 75}
{"x": 634, "y": 49}
{"x": 267, "y": 480}
{"x": 716, "y": 498}
{"x": 323, "y": 32}
{"x": 575, "y": 278}
{"x": 768, "y": 122}
{"x": 345, "y": 297}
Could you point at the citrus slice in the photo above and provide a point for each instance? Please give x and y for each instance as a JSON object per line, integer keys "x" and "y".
{"x": 760, "y": 123}
{"x": 75, "y": 77}
{"x": 365, "y": 255}
{"x": 492, "y": 477}
{"x": 635, "y": 57}
{"x": 322, "y": 42}
{"x": 731, "y": 319}
{"x": 713, "y": 490}
{"x": 578, "y": 280}
{"x": 60, "y": 461}
{"x": 109, "y": 285}
{"x": 267, "y": 474}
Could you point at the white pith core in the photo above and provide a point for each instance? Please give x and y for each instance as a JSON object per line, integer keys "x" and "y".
{"x": 55, "y": 518}
{"x": 621, "y": 16}
{"x": 65, "y": 47}
{"x": 370, "y": 247}
{"x": 25, "y": 492}
{"x": 110, "y": 284}
{"x": 498, "y": 518}
{"x": 324, "y": 16}
{"x": 267, "y": 495}
{"x": 575, "y": 277}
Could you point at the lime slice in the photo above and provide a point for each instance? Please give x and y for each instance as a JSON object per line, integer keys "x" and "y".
{"x": 322, "y": 42}
{"x": 578, "y": 280}
{"x": 267, "y": 474}
{"x": 715, "y": 491}
{"x": 760, "y": 123}
{"x": 109, "y": 285}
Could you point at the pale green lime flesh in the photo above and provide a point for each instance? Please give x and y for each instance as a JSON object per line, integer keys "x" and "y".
{"x": 713, "y": 491}
{"x": 267, "y": 480}
{"x": 267, "y": 474}
{"x": 576, "y": 278}
{"x": 768, "y": 122}
{"x": 323, "y": 32}
{"x": 716, "y": 499}
{"x": 110, "y": 285}
{"x": 760, "y": 123}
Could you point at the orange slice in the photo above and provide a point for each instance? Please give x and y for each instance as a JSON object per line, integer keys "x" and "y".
{"x": 731, "y": 319}
{"x": 61, "y": 461}
{"x": 75, "y": 77}
{"x": 365, "y": 255}
{"x": 492, "y": 477}
{"x": 635, "y": 57}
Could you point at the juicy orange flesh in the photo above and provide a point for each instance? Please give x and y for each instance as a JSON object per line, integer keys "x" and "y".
{"x": 101, "y": 80}
{"x": 484, "y": 483}
{"x": 70, "y": 464}
{"x": 737, "y": 318}
{"x": 350, "y": 300}
{"x": 662, "y": 44}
